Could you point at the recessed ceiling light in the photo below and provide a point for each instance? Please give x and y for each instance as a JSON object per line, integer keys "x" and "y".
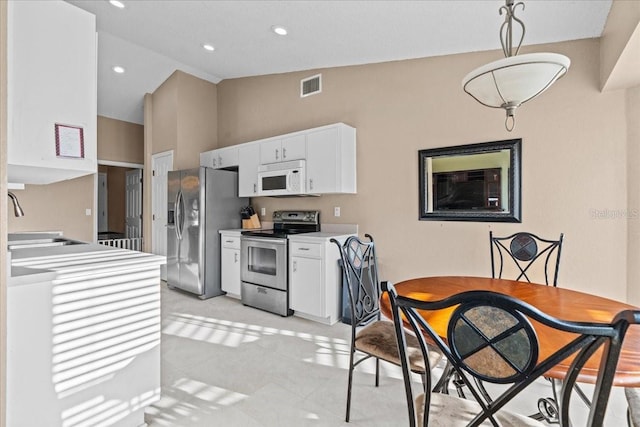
{"x": 117, "y": 3}
{"x": 208, "y": 47}
{"x": 118, "y": 69}
{"x": 281, "y": 31}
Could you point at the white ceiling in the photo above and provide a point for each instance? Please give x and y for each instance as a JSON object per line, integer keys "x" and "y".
{"x": 151, "y": 39}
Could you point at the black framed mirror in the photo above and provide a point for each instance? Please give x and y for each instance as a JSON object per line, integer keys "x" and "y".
{"x": 474, "y": 182}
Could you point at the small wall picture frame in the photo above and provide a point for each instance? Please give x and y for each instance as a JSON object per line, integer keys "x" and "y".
{"x": 69, "y": 141}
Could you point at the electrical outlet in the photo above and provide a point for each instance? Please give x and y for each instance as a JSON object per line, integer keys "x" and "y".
{"x": 87, "y": 212}
{"x": 263, "y": 211}
{"x": 336, "y": 211}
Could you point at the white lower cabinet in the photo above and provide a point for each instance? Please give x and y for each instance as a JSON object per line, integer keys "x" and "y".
{"x": 230, "y": 263}
{"x": 315, "y": 277}
{"x": 307, "y": 286}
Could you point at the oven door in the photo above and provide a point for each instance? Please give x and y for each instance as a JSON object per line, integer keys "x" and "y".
{"x": 264, "y": 261}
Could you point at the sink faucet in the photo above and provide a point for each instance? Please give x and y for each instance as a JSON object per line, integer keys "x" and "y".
{"x": 17, "y": 210}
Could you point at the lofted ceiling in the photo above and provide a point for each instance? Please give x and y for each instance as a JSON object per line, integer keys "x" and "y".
{"x": 151, "y": 39}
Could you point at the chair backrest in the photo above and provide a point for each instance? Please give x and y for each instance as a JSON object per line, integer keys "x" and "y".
{"x": 361, "y": 274}
{"x": 493, "y": 337}
{"x": 524, "y": 255}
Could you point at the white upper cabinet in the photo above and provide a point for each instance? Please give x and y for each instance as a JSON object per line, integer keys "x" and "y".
{"x": 331, "y": 159}
{"x": 52, "y": 79}
{"x": 283, "y": 149}
{"x": 249, "y": 158}
{"x": 329, "y": 151}
{"x": 220, "y": 158}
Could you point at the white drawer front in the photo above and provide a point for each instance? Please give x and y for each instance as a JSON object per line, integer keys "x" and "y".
{"x": 305, "y": 249}
{"x": 230, "y": 242}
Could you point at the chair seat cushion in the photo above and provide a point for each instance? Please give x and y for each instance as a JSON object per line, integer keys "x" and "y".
{"x": 379, "y": 340}
{"x": 633, "y": 400}
{"x": 447, "y": 411}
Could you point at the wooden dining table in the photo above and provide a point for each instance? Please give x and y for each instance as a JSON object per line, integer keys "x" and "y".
{"x": 562, "y": 303}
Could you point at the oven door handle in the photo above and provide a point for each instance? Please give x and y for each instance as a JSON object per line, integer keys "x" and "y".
{"x": 262, "y": 240}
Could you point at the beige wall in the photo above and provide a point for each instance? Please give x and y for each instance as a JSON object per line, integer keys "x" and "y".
{"x": 619, "y": 56}
{"x": 633, "y": 178}
{"x": 198, "y": 120}
{"x": 184, "y": 118}
{"x": 57, "y": 207}
{"x": 574, "y": 159}
{"x": 164, "y": 118}
{"x": 120, "y": 141}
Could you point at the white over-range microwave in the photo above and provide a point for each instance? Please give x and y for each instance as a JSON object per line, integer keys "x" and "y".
{"x": 282, "y": 179}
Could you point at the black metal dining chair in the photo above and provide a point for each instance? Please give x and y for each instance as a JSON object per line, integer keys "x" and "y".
{"x": 492, "y": 337}
{"x": 527, "y": 256}
{"x": 633, "y": 404}
{"x": 371, "y": 336}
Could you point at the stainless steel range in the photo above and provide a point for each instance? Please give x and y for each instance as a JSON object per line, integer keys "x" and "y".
{"x": 264, "y": 260}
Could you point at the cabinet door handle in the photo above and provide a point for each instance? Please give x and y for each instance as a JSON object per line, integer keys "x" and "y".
{"x": 277, "y": 153}
{"x": 303, "y": 249}
{"x": 235, "y": 257}
{"x": 228, "y": 241}
{"x": 295, "y": 266}
{"x": 310, "y": 184}
{"x": 255, "y": 188}
{"x": 220, "y": 160}
{"x": 214, "y": 162}
{"x": 284, "y": 153}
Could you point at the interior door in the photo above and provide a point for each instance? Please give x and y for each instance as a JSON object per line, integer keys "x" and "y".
{"x": 161, "y": 164}
{"x": 103, "y": 198}
{"x": 133, "y": 208}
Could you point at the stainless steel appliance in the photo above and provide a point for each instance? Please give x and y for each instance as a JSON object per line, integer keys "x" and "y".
{"x": 201, "y": 202}
{"x": 264, "y": 260}
{"x": 282, "y": 179}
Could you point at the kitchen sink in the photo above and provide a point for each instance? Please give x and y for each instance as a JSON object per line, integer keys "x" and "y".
{"x": 41, "y": 243}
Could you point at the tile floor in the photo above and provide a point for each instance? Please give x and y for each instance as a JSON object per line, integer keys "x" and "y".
{"x": 224, "y": 364}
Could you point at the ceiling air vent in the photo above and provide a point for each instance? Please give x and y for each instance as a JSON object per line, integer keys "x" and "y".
{"x": 311, "y": 85}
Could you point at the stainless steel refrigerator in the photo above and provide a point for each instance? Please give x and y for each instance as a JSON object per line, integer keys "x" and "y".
{"x": 201, "y": 202}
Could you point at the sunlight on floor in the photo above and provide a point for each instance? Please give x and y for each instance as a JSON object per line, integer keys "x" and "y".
{"x": 246, "y": 367}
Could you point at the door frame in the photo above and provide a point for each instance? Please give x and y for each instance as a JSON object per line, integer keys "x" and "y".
{"x": 133, "y": 202}
{"x": 159, "y": 213}
{"x": 95, "y": 193}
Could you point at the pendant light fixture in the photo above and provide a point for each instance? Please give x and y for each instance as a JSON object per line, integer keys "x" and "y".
{"x": 510, "y": 82}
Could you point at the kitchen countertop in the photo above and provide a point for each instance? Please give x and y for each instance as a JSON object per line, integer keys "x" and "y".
{"x": 328, "y": 231}
{"x": 32, "y": 265}
{"x": 234, "y": 231}
{"x": 319, "y": 235}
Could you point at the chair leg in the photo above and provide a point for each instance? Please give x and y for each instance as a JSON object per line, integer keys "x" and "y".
{"x": 350, "y": 384}
{"x": 548, "y": 410}
{"x": 377, "y": 372}
{"x": 442, "y": 386}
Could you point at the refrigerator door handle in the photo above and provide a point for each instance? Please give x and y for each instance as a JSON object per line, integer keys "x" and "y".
{"x": 179, "y": 214}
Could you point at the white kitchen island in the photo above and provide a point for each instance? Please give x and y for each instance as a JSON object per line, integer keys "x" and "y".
{"x": 83, "y": 336}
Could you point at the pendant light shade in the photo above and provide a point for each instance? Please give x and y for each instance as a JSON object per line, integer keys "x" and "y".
{"x": 510, "y": 82}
